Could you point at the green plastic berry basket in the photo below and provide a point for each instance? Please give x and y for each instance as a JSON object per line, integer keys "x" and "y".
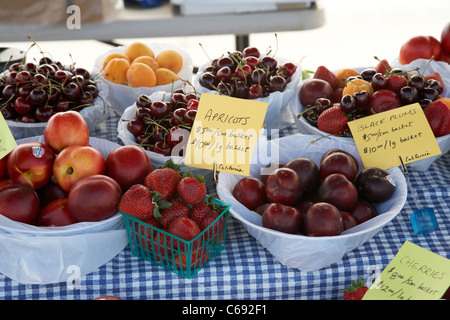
{"x": 185, "y": 258}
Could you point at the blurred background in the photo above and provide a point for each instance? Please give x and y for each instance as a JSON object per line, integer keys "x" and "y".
{"x": 350, "y": 35}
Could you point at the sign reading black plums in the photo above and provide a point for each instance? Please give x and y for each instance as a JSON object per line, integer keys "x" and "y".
{"x": 402, "y": 132}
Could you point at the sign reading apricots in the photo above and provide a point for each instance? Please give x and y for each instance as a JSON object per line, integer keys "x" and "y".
{"x": 225, "y": 132}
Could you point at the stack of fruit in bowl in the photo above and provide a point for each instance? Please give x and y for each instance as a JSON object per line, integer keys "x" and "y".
{"x": 172, "y": 222}
{"x": 315, "y": 202}
{"x": 140, "y": 68}
{"x": 31, "y": 92}
{"x": 251, "y": 74}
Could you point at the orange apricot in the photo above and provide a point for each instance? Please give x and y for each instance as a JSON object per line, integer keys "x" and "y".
{"x": 357, "y": 85}
{"x": 137, "y": 49}
{"x": 116, "y": 70}
{"x": 344, "y": 74}
{"x": 115, "y": 55}
{"x": 165, "y": 76}
{"x": 170, "y": 59}
{"x": 151, "y": 62}
{"x": 141, "y": 75}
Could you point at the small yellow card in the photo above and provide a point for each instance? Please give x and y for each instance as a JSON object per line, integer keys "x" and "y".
{"x": 414, "y": 274}
{"x": 7, "y": 141}
{"x": 225, "y": 132}
{"x": 402, "y": 132}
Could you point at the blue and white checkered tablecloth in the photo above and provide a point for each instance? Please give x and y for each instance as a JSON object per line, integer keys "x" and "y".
{"x": 245, "y": 270}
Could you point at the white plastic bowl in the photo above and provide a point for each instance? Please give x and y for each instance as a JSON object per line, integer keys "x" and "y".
{"x": 42, "y": 255}
{"x": 299, "y": 251}
{"x": 122, "y": 96}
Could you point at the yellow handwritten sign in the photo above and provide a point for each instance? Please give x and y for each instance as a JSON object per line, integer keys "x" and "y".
{"x": 414, "y": 274}
{"x": 225, "y": 132}
{"x": 383, "y": 137}
{"x": 7, "y": 141}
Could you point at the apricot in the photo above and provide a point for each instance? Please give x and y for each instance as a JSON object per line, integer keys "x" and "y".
{"x": 445, "y": 100}
{"x": 137, "y": 49}
{"x": 165, "y": 76}
{"x": 115, "y": 55}
{"x": 344, "y": 74}
{"x": 116, "y": 70}
{"x": 151, "y": 62}
{"x": 357, "y": 85}
{"x": 140, "y": 75}
{"x": 170, "y": 59}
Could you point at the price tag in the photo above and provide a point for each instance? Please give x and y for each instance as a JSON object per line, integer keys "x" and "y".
{"x": 224, "y": 133}
{"x": 414, "y": 274}
{"x": 402, "y": 132}
{"x": 7, "y": 141}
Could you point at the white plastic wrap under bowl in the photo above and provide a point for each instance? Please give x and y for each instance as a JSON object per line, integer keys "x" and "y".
{"x": 421, "y": 165}
{"x": 93, "y": 115}
{"x": 278, "y": 115}
{"x": 299, "y": 251}
{"x": 43, "y": 255}
{"x": 121, "y": 96}
{"x": 156, "y": 159}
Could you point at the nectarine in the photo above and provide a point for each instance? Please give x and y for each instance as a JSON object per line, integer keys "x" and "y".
{"x": 19, "y": 202}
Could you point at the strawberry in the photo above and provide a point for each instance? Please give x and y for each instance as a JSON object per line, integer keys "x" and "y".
{"x": 208, "y": 220}
{"x": 383, "y": 66}
{"x": 198, "y": 258}
{"x": 191, "y": 190}
{"x": 186, "y": 229}
{"x": 177, "y": 209}
{"x": 164, "y": 181}
{"x": 435, "y": 76}
{"x": 199, "y": 211}
{"x": 333, "y": 120}
{"x": 324, "y": 73}
{"x": 438, "y": 116}
{"x": 355, "y": 291}
{"x": 146, "y": 232}
{"x": 137, "y": 202}
{"x": 395, "y": 82}
{"x": 161, "y": 245}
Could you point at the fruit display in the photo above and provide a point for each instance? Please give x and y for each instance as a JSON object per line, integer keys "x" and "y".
{"x": 171, "y": 221}
{"x": 252, "y": 74}
{"x": 138, "y": 66}
{"x": 161, "y": 122}
{"x": 341, "y": 197}
{"x": 142, "y": 68}
{"x": 329, "y": 106}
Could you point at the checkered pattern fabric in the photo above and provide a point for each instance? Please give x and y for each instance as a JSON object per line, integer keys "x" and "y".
{"x": 245, "y": 270}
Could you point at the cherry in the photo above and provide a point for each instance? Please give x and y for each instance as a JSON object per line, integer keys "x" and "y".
{"x": 62, "y": 105}
{"x": 177, "y": 116}
{"x": 348, "y": 103}
{"x": 9, "y": 91}
{"x": 136, "y": 127}
{"x": 226, "y": 89}
{"x": 160, "y": 109}
{"x": 362, "y": 99}
{"x": 255, "y": 91}
{"x": 435, "y": 84}
{"x": 86, "y": 99}
{"x": 189, "y": 116}
{"x": 92, "y": 89}
{"x": 11, "y": 78}
{"x": 143, "y": 101}
{"x": 143, "y": 114}
{"x": 259, "y": 76}
{"x": 159, "y": 134}
{"x": 54, "y": 95}
{"x": 225, "y": 61}
{"x": 80, "y": 81}
{"x": 277, "y": 83}
{"x": 38, "y": 97}
{"x": 224, "y": 74}
{"x": 241, "y": 90}
{"x": 253, "y": 62}
{"x": 243, "y": 72}
{"x": 145, "y": 140}
{"x": 367, "y": 74}
{"x": 44, "y": 113}
{"x": 24, "y": 91}
{"x": 27, "y": 118}
{"x": 269, "y": 62}
{"x": 289, "y": 69}
{"x": 62, "y": 77}
{"x": 23, "y": 77}
{"x": 30, "y": 67}
{"x": 23, "y": 106}
{"x": 192, "y": 104}
{"x": 45, "y": 60}
{"x": 378, "y": 82}
{"x": 189, "y": 96}
{"x": 208, "y": 80}
{"x": 46, "y": 70}
{"x": 71, "y": 91}
{"x": 8, "y": 111}
{"x": 251, "y": 52}
{"x": 322, "y": 104}
{"x": 418, "y": 82}
{"x": 39, "y": 80}
{"x": 83, "y": 72}
{"x": 429, "y": 93}
{"x": 174, "y": 137}
{"x": 162, "y": 148}
{"x": 178, "y": 100}
{"x": 408, "y": 95}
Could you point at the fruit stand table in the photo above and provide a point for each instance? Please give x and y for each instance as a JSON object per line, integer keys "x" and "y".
{"x": 245, "y": 270}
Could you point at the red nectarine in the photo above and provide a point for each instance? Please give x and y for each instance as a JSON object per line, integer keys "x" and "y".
{"x": 19, "y": 202}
